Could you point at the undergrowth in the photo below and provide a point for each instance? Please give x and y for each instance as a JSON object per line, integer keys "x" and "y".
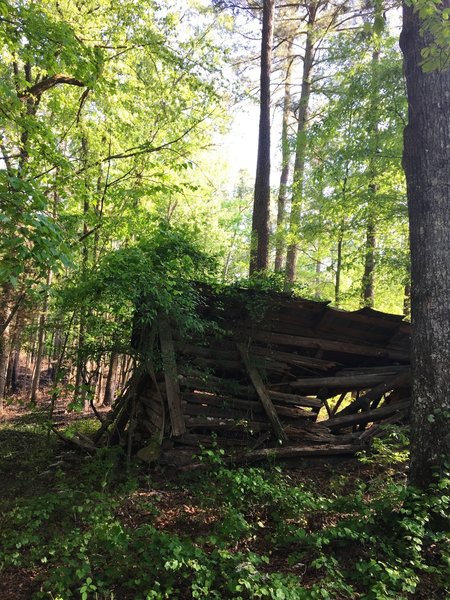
{"x": 270, "y": 536}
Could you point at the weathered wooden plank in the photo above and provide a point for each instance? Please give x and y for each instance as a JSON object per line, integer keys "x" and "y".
{"x": 295, "y": 399}
{"x": 295, "y": 359}
{"x": 377, "y": 428}
{"x": 338, "y": 403}
{"x": 284, "y": 339}
{"x": 350, "y": 382}
{"x": 197, "y": 439}
{"x": 226, "y": 424}
{"x": 242, "y": 407}
{"x": 363, "y": 402}
{"x": 389, "y": 369}
{"x": 171, "y": 377}
{"x": 212, "y": 358}
{"x": 212, "y": 410}
{"x": 367, "y": 416}
{"x": 215, "y": 384}
{"x": 301, "y": 451}
{"x": 262, "y": 393}
{"x": 207, "y": 351}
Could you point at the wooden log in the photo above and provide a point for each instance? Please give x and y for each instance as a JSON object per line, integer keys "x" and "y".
{"x": 223, "y": 401}
{"x": 228, "y": 406}
{"x": 338, "y": 404}
{"x": 226, "y": 424}
{"x": 171, "y": 377}
{"x": 341, "y": 347}
{"x": 386, "y": 370}
{"x": 211, "y": 410}
{"x": 295, "y": 359}
{"x": 363, "y": 402}
{"x": 368, "y": 416}
{"x": 197, "y": 440}
{"x": 215, "y": 384}
{"x": 152, "y": 402}
{"x": 215, "y": 364}
{"x": 377, "y": 428}
{"x": 243, "y": 394}
{"x": 155, "y": 417}
{"x": 211, "y": 358}
{"x": 207, "y": 352}
{"x": 262, "y": 393}
{"x": 351, "y": 382}
{"x": 298, "y": 400}
{"x": 300, "y": 451}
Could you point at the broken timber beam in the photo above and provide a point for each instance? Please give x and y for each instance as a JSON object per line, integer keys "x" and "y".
{"x": 300, "y": 451}
{"x": 349, "y": 382}
{"x": 262, "y": 393}
{"x": 368, "y": 416}
{"x": 363, "y": 402}
{"x": 285, "y": 339}
{"x": 171, "y": 377}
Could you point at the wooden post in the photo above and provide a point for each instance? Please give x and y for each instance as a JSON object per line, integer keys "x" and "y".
{"x": 171, "y": 377}
{"x": 262, "y": 393}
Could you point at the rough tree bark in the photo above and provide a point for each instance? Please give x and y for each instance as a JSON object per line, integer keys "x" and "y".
{"x": 259, "y": 247}
{"x": 426, "y": 160}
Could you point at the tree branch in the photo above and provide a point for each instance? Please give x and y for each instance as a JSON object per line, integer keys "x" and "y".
{"x": 47, "y": 83}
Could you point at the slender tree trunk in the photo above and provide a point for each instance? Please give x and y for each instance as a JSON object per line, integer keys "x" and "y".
{"x": 40, "y": 342}
{"x": 337, "y": 282}
{"x": 14, "y": 355}
{"x": 110, "y": 387}
{"x": 300, "y": 152}
{"x": 426, "y": 161}
{"x": 285, "y": 164}
{"x": 368, "y": 281}
{"x": 80, "y": 383}
{"x": 259, "y": 245}
{"x": 4, "y": 341}
{"x": 14, "y": 384}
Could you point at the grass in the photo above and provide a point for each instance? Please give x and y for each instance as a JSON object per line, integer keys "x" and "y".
{"x": 79, "y": 527}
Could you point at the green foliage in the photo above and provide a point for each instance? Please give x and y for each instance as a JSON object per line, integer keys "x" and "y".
{"x": 156, "y": 274}
{"x": 389, "y": 450}
{"x": 435, "y": 22}
{"x": 93, "y": 532}
{"x": 356, "y": 147}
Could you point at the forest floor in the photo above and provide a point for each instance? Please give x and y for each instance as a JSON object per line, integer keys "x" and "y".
{"x": 77, "y": 526}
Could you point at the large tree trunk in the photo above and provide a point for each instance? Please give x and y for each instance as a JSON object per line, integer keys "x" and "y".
{"x": 300, "y": 152}
{"x": 426, "y": 161}
{"x": 259, "y": 247}
{"x": 285, "y": 164}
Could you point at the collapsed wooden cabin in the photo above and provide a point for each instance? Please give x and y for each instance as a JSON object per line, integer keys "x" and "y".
{"x": 273, "y": 375}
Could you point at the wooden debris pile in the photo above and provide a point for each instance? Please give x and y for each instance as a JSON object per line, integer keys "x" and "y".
{"x": 281, "y": 376}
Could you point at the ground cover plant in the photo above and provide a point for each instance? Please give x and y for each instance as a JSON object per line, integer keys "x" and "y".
{"x": 76, "y": 526}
